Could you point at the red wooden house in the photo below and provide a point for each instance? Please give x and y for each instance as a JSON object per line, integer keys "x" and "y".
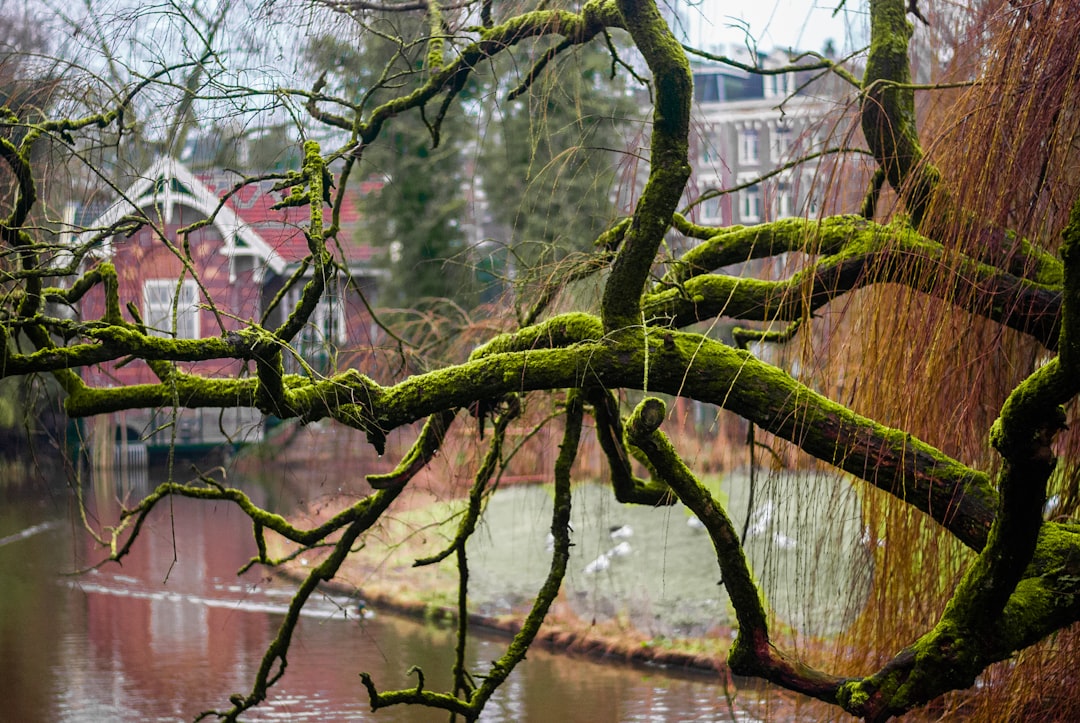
{"x": 242, "y": 259}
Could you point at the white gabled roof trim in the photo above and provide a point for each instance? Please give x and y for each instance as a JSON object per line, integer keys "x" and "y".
{"x": 144, "y": 194}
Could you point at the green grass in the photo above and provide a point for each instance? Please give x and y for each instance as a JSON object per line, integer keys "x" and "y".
{"x": 667, "y": 588}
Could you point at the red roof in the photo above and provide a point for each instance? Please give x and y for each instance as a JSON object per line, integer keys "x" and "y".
{"x": 283, "y": 228}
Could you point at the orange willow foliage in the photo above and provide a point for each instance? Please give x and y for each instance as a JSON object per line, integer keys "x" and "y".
{"x": 942, "y": 373}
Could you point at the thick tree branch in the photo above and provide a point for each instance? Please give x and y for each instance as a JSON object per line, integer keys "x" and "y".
{"x": 967, "y": 638}
{"x": 677, "y": 363}
{"x": 609, "y": 432}
{"x": 859, "y": 254}
{"x": 752, "y": 653}
{"x": 888, "y": 108}
{"x": 669, "y": 165}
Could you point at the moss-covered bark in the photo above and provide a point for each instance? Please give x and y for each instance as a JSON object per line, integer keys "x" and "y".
{"x": 854, "y": 254}
{"x": 1023, "y": 577}
{"x": 669, "y": 165}
{"x": 751, "y": 654}
{"x": 887, "y": 111}
{"x": 951, "y": 655}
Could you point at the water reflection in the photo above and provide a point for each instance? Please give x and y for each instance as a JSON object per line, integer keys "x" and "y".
{"x": 173, "y": 632}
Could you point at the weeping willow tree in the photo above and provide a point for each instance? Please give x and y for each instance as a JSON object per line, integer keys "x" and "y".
{"x": 939, "y": 325}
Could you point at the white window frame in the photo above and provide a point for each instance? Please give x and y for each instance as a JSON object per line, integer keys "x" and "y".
{"x": 783, "y": 205}
{"x": 709, "y": 148}
{"x": 779, "y": 85}
{"x": 750, "y": 204}
{"x": 326, "y": 325}
{"x": 329, "y": 316}
{"x": 749, "y": 146}
{"x": 771, "y": 86}
{"x": 159, "y": 295}
{"x": 781, "y": 139}
{"x": 712, "y": 211}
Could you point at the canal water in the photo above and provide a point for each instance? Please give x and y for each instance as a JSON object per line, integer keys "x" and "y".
{"x": 173, "y": 631}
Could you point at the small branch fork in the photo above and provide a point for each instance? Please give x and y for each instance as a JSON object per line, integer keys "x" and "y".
{"x": 476, "y": 697}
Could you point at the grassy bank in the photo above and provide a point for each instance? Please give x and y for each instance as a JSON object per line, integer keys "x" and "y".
{"x": 658, "y": 596}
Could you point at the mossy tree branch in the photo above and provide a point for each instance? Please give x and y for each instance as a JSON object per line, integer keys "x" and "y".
{"x": 752, "y": 653}
{"x": 967, "y": 638}
{"x": 274, "y": 661}
{"x": 669, "y": 164}
{"x": 852, "y": 253}
{"x": 576, "y": 28}
{"x": 609, "y": 433}
{"x": 888, "y": 108}
{"x": 1025, "y": 581}
{"x": 571, "y": 351}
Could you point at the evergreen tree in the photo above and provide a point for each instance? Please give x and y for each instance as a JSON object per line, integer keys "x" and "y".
{"x": 416, "y": 218}
{"x": 549, "y": 160}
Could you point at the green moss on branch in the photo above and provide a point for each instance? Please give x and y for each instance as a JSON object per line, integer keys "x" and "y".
{"x": 613, "y": 442}
{"x": 752, "y": 653}
{"x": 1023, "y": 582}
{"x": 735, "y": 244}
{"x": 860, "y": 254}
{"x": 888, "y": 107}
{"x": 578, "y": 28}
{"x": 669, "y": 165}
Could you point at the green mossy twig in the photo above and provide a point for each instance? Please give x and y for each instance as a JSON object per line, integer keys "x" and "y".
{"x": 613, "y": 442}
{"x": 752, "y": 653}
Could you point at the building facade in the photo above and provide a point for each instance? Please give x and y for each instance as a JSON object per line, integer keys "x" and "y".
{"x": 191, "y": 283}
{"x": 748, "y": 126}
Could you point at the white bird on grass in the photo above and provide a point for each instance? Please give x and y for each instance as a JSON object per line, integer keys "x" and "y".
{"x": 621, "y": 550}
{"x": 783, "y": 541}
{"x": 761, "y": 519}
{"x": 598, "y": 565}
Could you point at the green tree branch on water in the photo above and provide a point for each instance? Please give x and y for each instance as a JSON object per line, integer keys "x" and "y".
{"x": 937, "y": 255}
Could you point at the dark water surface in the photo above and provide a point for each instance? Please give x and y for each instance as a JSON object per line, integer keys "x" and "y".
{"x": 173, "y": 632}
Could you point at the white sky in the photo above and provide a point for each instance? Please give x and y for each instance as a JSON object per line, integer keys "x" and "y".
{"x": 798, "y": 24}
